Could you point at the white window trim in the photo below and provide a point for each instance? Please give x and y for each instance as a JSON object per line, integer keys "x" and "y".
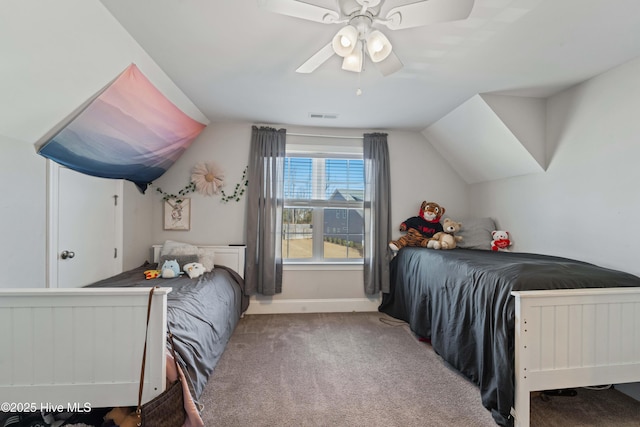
{"x": 328, "y": 147}
{"x": 320, "y": 266}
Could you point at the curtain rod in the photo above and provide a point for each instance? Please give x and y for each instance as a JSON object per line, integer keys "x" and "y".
{"x": 324, "y": 136}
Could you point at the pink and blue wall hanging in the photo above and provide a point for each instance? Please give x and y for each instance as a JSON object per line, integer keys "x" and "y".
{"x": 129, "y": 130}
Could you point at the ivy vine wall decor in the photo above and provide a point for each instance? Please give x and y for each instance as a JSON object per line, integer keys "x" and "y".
{"x": 207, "y": 179}
{"x": 238, "y": 190}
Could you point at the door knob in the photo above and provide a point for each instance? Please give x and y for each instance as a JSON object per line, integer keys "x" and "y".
{"x": 67, "y": 254}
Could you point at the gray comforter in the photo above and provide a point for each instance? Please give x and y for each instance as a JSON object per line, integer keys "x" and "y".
{"x": 202, "y": 314}
{"x": 461, "y": 300}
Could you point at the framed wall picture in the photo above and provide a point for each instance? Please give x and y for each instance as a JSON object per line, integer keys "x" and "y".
{"x": 177, "y": 214}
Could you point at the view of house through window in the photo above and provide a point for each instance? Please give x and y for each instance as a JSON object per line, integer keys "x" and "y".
{"x": 323, "y": 215}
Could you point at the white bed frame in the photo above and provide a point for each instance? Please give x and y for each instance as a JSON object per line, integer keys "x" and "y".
{"x": 83, "y": 346}
{"x": 574, "y": 338}
{"x": 228, "y": 256}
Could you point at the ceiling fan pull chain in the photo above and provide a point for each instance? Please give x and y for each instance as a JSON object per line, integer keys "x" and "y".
{"x": 359, "y": 90}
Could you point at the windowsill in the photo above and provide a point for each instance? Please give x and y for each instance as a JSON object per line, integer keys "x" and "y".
{"x": 336, "y": 266}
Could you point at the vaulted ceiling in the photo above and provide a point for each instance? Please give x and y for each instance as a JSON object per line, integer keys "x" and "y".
{"x": 237, "y": 61}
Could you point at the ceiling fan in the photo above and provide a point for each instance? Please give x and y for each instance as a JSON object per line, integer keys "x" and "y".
{"x": 360, "y": 34}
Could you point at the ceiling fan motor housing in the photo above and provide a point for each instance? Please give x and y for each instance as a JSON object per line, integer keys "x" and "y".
{"x": 362, "y": 22}
{"x": 358, "y": 35}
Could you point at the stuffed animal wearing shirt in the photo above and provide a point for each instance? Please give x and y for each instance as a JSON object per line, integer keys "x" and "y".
{"x": 420, "y": 229}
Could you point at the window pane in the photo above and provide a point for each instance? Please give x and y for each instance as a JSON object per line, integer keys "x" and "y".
{"x": 297, "y": 238}
{"x": 343, "y": 233}
{"x": 323, "y": 215}
{"x": 298, "y": 182}
{"x": 344, "y": 179}
{"x": 323, "y": 179}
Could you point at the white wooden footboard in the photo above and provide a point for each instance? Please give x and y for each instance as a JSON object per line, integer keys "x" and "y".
{"x": 574, "y": 338}
{"x": 80, "y": 346}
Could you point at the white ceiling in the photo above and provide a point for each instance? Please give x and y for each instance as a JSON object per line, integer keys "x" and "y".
{"x": 236, "y": 61}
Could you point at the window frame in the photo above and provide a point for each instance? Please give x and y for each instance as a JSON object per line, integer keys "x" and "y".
{"x": 323, "y": 151}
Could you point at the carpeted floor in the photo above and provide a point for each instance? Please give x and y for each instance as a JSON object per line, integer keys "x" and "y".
{"x": 597, "y": 408}
{"x": 365, "y": 369}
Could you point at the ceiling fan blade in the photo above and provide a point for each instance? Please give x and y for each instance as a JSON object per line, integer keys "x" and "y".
{"x": 389, "y": 65}
{"x": 316, "y": 60}
{"x": 302, "y": 10}
{"x": 427, "y": 12}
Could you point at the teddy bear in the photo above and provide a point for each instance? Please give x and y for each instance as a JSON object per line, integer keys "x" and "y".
{"x": 420, "y": 228}
{"x": 194, "y": 269}
{"x": 121, "y": 417}
{"x": 501, "y": 241}
{"x": 446, "y": 239}
{"x": 170, "y": 269}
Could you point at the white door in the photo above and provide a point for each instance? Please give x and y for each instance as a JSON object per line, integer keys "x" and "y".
{"x": 85, "y": 238}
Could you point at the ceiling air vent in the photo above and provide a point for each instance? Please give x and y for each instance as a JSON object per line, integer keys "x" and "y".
{"x": 323, "y": 115}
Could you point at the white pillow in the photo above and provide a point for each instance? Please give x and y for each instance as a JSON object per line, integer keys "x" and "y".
{"x": 206, "y": 257}
{"x": 171, "y": 247}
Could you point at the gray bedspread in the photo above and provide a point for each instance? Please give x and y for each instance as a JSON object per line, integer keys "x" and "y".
{"x": 461, "y": 300}
{"x": 202, "y": 314}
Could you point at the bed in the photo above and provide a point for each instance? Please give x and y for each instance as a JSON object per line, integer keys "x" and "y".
{"x": 79, "y": 347}
{"x": 514, "y": 322}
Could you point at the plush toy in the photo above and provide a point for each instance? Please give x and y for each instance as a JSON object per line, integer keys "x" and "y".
{"x": 420, "y": 228}
{"x": 194, "y": 269}
{"x": 500, "y": 241}
{"x": 446, "y": 239}
{"x": 170, "y": 269}
{"x": 152, "y": 274}
{"x": 122, "y": 417}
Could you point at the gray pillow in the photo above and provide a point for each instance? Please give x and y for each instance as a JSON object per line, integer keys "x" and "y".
{"x": 476, "y": 233}
{"x": 181, "y": 259}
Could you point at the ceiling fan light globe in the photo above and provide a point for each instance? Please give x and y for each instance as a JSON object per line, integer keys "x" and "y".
{"x": 345, "y": 40}
{"x": 378, "y": 46}
{"x": 353, "y": 62}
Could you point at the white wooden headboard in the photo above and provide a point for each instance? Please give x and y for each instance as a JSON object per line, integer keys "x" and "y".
{"x": 228, "y": 256}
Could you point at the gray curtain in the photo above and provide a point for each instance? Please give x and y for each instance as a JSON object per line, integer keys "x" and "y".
{"x": 377, "y": 207}
{"x": 263, "y": 271}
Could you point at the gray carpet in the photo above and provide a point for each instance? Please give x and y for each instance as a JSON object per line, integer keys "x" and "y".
{"x": 352, "y": 369}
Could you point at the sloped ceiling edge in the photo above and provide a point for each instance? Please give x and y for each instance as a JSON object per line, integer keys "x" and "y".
{"x": 479, "y": 144}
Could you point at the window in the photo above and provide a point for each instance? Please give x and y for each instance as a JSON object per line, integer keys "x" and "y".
{"x": 323, "y": 218}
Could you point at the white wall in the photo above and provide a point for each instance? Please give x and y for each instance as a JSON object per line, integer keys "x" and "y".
{"x": 55, "y": 55}
{"x": 418, "y": 173}
{"x": 23, "y": 228}
{"x": 212, "y": 221}
{"x": 586, "y": 204}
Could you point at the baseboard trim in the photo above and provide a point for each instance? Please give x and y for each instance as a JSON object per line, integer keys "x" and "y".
{"x": 332, "y": 305}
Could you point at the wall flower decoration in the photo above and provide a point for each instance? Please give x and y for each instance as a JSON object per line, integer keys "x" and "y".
{"x": 208, "y": 178}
